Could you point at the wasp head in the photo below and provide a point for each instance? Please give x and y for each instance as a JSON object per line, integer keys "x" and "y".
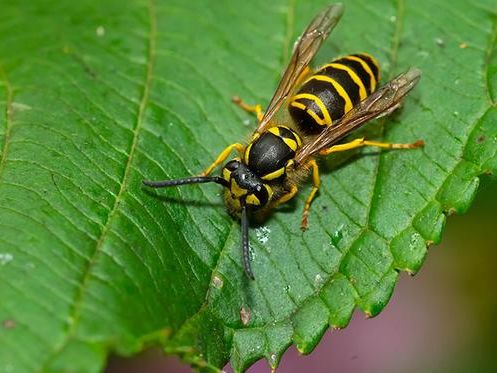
{"x": 244, "y": 187}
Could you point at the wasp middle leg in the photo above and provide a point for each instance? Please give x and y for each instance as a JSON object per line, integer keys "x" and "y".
{"x": 316, "y": 183}
{"x": 287, "y": 196}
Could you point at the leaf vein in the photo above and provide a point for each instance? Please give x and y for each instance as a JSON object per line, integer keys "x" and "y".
{"x": 76, "y": 309}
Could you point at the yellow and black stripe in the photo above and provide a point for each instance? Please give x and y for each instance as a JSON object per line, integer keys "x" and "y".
{"x": 334, "y": 90}
{"x": 270, "y": 154}
{"x": 366, "y": 67}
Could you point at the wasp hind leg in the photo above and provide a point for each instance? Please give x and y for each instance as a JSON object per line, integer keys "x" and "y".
{"x": 222, "y": 157}
{"x": 316, "y": 183}
{"x": 359, "y": 143}
{"x": 257, "y": 109}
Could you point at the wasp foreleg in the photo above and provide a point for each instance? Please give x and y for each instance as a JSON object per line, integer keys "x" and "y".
{"x": 222, "y": 157}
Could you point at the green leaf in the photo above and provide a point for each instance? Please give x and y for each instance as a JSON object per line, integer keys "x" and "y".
{"x": 97, "y": 96}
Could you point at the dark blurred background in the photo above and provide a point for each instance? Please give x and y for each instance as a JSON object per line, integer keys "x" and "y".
{"x": 441, "y": 320}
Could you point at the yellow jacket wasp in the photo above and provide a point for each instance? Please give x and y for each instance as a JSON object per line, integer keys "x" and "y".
{"x": 322, "y": 108}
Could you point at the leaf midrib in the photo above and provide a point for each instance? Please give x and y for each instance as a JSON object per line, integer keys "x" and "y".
{"x": 8, "y": 119}
{"x": 76, "y": 309}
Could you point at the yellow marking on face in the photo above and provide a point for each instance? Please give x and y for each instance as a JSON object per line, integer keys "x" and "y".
{"x": 226, "y": 174}
{"x": 342, "y": 92}
{"x": 253, "y": 200}
{"x": 235, "y": 203}
{"x": 236, "y": 190}
{"x": 366, "y": 68}
{"x": 292, "y": 144}
{"x": 353, "y": 76}
{"x": 274, "y": 175}
{"x": 327, "y": 119}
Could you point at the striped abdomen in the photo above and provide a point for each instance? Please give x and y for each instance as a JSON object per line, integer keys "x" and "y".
{"x": 333, "y": 90}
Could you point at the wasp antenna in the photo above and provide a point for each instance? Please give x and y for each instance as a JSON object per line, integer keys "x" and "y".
{"x": 245, "y": 244}
{"x": 185, "y": 181}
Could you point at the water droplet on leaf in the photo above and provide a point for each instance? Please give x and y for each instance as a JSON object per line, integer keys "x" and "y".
{"x": 6, "y": 258}
{"x": 100, "y": 31}
{"x": 440, "y": 42}
{"x": 217, "y": 282}
{"x": 262, "y": 234}
{"x": 318, "y": 280}
{"x": 337, "y": 236}
{"x": 415, "y": 241}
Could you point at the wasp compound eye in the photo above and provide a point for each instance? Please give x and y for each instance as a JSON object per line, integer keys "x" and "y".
{"x": 232, "y": 165}
{"x": 259, "y": 196}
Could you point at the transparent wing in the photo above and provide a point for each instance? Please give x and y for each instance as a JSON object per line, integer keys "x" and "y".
{"x": 305, "y": 49}
{"x": 380, "y": 103}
